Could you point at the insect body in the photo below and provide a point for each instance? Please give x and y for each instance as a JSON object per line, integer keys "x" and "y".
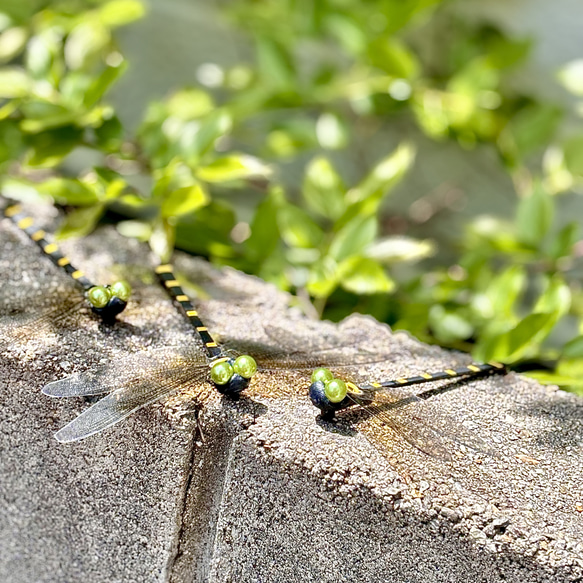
{"x": 331, "y": 394}
{"x": 230, "y": 375}
{"x": 106, "y": 301}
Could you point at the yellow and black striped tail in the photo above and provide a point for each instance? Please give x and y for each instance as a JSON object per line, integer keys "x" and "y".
{"x": 166, "y": 275}
{"x": 473, "y": 369}
{"x": 26, "y": 224}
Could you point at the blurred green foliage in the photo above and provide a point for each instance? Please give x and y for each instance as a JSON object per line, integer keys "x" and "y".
{"x": 205, "y": 170}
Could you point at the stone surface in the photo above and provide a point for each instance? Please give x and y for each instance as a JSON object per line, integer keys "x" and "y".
{"x": 260, "y": 490}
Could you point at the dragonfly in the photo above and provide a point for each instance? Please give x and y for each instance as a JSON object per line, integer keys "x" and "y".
{"x": 143, "y": 378}
{"x": 107, "y": 301}
{"x": 386, "y": 407}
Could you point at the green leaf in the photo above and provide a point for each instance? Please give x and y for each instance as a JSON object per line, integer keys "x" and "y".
{"x": 189, "y": 104}
{"x": 49, "y": 148}
{"x": 534, "y": 216}
{"x": 331, "y": 132}
{"x": 323, "y": 189}
{"x": 184, "y": 200}
{"x": 102, "y": 83}
{"x": 393, "y": 57}
{"x": 573, "y": 151}
{"x": 353, "y": 237}
{"x": 562, "y": 244}
{"x": 449, "y": 326}
{"x": 120, "y": 12}
{"x": 135, "y": 230}
{"x": 275, "y": 64}
{"x": 85, "y": 43}
{"x": 297, "y": 228}
{"x": 14, "y": 82}
{"x": 323, "y": 278}
{"x": 573, "y": 348}
{"x": 212, "y": 128}
{"x": 109, "y": 134}
{"x": 399, "y": 248}
{"x": 264, "y": 231}
{"x": 362, "y": 276}
{"x": 556, "y": 299}
{"x": 366, "y": 197}
{"x": 518, "y": 341}
{"x": 235, "y": 167}
{"x": 80, "y": 222}
{"x": 504, "y": 290}
{"x": 12, "y": 41}
{"x": 69, "y": 191}
{"x": 571, "y": 76}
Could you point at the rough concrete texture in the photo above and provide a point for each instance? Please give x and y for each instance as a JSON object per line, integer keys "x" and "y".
{"x": 260, "y": 490}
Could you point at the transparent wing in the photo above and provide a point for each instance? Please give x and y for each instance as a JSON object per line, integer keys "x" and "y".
{"x": 400, "y": 414}
{"x": 129, "y": 371}
{"x": 37, "y": 320}
{"x": 129, "y": 398}
{"x": 417, "y": 421}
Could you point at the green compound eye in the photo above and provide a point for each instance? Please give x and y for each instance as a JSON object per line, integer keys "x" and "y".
{"x": 335, "y": 390}
{"x": 221, "y": 372}
{"x": 98, "y": 296}
{"x": 322, "y": 374}
{"x": 121, "y": 290}
{"x": 245, "y": 366}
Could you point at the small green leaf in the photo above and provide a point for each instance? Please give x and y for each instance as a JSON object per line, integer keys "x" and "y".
{"x": 366, "y": 197}
{"x": 534, "y": 216}
{"x": 518, "y": 341}
{"x": 188, "y": 104}
{"x": 504, "y": 290}
{"x": 264, "y": 231}
{"x": 449, "y": 326}
{"x": 297, "y": 228}
{"x": 275, "y": 64}
{"x": 211, "y": 129}
{"x": 102, "y": 83}
{"x": 135, "y": 230}
{"x": 562, "y": 244}
{"x": 69, "y": 191}
{"x": 573, "y": 348}
{"x": 184, "y": 200}
{"x": 571, "y": 76}
{"x": 235, "y": 167}
{"x": 353, "y": 237}
{"x": 393, "y": 57}
{"x": 84, "y": 43}
{"x": 120, "y": 12}
{"x": 323, "y": 189}
{"x": 556, "y": 298}
{"x": 80, "y": 222}
{"x": 12, "y": 41}
{"x": 323, "y": 278}
{"x": 14, "y": 82}
{"x": 573, "y": 152}
{"x": 399, "y": 248}
{"x": 362, "y": 276}
{"x": 331, "y": 132}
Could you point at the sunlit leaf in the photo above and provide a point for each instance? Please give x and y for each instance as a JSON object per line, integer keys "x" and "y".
{"x": 399, "y": 248}
{"x": 14, "y": 82}
{"x": 69, "y": 191}
{"x": 120, "y": 12}
{"x": 190, "y": 104}
{"x": 184, "y": 200}
{"x": 361, "y": 275}
{"x": 297, "y": 227}
{"x": 323, "y": 189}
{"x": 353, "y": 237}
{"x": 366, "y": 197}
{"x": 162, "y": 239}
{"x": 235, "y": 167}
{"x": 534, "y": 216}
{"x": 571, "y": 76}
{"x": 80, "y": 222}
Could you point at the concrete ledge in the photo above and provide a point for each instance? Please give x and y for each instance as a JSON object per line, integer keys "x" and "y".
{"x": 271, "y": 494}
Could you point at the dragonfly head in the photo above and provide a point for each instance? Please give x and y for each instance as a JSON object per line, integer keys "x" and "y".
{"x": 231, "y": 376}
{"x": 328, "y": 393}
{"x": 109, "y": 301}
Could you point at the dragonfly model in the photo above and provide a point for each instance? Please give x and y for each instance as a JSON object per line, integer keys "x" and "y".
{"x": 105, "y": 301}
{"x": 143, "y": 378}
